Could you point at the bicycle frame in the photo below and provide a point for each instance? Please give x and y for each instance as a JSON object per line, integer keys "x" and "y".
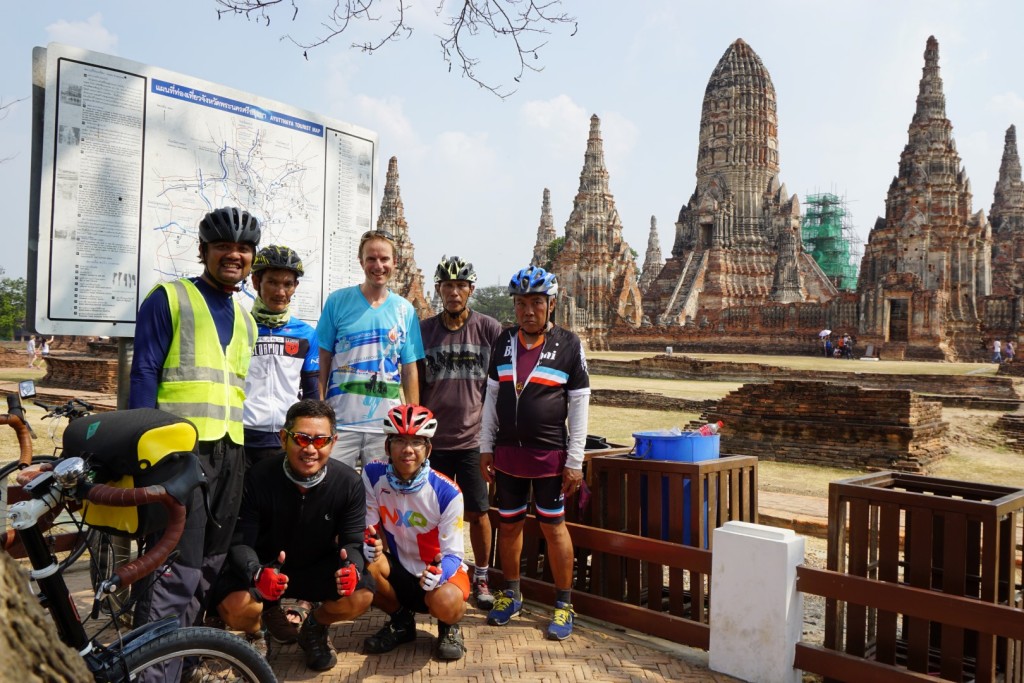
{"x": 48, "y": 492}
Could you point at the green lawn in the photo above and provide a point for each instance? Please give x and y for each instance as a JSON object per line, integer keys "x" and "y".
{"x": 887, "y": 367}
{"x": 692, "y": 389}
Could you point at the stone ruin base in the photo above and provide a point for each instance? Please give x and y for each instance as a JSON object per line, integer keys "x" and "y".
{"x": 647, "y": 401}
{"x": 81, "y": 373}
{"x": 835, "y": 425}
{"x": 1012, "y": 427}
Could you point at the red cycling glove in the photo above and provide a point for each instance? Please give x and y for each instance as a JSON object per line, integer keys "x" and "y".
{"x": 347, "y": 577}
{"x": 269, "y": 583}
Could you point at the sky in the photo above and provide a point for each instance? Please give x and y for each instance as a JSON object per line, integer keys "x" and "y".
{"x": 473, "y": 167}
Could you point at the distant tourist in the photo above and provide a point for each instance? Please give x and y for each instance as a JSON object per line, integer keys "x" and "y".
{"x": 1009, "y": 352}
{"x": 46, "y": 347}
{"x": 997, "y": 356}
{"x": 31, "y": 351}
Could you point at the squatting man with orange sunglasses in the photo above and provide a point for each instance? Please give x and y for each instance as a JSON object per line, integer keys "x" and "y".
{"x": 300, "y": 520}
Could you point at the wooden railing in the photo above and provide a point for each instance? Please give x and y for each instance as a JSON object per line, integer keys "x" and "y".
{"x": 671, "y": 500}
{"x": 616, "y": 575}
{"x": 953, "y": 614}
{"x": 634, "y": 561}
{"x": 944, "y": 538}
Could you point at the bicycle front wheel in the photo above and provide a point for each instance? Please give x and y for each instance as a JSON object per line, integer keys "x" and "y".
{"x": 203, "y": 654}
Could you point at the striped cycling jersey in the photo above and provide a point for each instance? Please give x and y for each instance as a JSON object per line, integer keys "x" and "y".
{"x": 535, "y": 415}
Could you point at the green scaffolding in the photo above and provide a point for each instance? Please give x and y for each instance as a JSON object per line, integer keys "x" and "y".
{"x": 829, "y": 237}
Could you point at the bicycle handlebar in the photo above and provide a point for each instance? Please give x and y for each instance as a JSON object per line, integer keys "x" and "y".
{"x": 68, "y": 410}
{"x": 127, "y": 574}
{"x": 24, "y": 433}
{"x": 45, "y": 406}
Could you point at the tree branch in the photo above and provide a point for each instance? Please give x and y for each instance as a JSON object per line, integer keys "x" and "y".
{"x": 521, "y": 22}
{"x": 5, "y": 110}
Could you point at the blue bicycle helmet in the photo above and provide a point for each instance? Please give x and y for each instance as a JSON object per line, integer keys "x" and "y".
{"x": 533, "y": 280}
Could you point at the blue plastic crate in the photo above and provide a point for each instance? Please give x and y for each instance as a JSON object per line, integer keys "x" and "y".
{"x": 685, "y": 447}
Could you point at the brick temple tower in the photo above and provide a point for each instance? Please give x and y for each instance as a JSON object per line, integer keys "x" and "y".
{"x": 1007, "y": 218}
{"x": 407, "y": 280}
{"x": 737, "y": 240}
{"x": 545, "y": 232}
{"x": 653, "y": 262}
{"x": 928, "y": 261}
{"x": 596, "y": 268}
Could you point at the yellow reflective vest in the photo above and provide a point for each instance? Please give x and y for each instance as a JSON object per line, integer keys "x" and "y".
{"x": 202, "y": 382}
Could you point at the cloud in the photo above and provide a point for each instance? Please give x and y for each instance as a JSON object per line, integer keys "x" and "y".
{"x": 620, "y": 137}
{"x": 89, "y": 34}
{"x": 470, "y": 152}
{"x": 562, "y": 122}
{"x": 1009, "y": 105}
{"x": 386, "y": 117}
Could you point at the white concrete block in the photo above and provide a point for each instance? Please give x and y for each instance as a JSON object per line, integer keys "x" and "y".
{"x": 756, "y": 611}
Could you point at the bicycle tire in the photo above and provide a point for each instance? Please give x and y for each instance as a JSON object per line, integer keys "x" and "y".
{"x": 209, "y": 646}
{"x": 106, "y": 552}
{"x": 64, "y": 524}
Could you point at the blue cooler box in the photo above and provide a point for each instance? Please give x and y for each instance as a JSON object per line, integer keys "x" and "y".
{"x": 681, "y": 447}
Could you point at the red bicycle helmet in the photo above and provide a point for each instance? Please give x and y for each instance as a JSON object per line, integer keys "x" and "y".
{"x": 410, "y": 420}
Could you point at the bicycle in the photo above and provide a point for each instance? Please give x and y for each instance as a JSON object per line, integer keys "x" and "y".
{"x": 106, "y": 551}
{"x": 65, "y": 537}
{"x": 224, "y": 655}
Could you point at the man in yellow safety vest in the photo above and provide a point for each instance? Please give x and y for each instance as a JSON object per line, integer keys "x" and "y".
{"x": 193, "y": 342}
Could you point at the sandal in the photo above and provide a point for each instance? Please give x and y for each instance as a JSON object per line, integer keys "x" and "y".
{"x": 282, "y": 623}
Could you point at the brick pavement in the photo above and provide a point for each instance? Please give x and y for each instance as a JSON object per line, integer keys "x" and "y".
{"x": 515, "y": 652}
{"x": 519, "y": 651}
{"x": 807, "y": 515}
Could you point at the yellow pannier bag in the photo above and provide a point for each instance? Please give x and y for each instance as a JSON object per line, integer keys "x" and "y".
{"x": 128, "y": 449}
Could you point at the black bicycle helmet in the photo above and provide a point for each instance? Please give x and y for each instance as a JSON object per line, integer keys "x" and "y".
{"x": 533, "y": 280}
{"x": 229, "y": 224}
{"x": 277, "y": 256}
{"x": 454, "y": 268}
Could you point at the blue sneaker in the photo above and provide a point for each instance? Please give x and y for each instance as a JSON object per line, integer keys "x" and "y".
{"x": 505, "y": 607}
{"x": 560, "y": 627}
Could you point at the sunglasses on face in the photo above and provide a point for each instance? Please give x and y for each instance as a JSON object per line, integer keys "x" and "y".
{"x": 377, "y": 233}
{"x": 304, "y": 440}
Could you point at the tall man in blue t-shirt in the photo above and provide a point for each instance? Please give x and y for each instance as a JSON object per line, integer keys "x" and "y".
{"x": 369, "y": 344}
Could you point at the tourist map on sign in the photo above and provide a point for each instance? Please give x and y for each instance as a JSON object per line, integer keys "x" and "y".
{"x": 138, "y": 156}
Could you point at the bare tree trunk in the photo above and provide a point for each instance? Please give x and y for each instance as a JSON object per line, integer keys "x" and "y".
{"x": 29, "y": 648}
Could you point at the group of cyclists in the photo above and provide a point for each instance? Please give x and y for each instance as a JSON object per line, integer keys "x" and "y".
{"x": 343, "y": 459}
